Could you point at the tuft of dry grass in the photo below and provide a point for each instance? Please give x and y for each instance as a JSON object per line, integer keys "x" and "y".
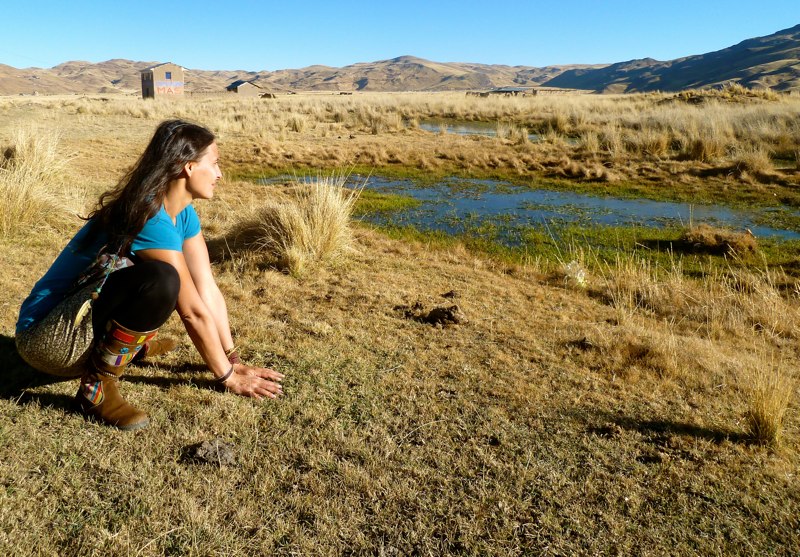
{"x": 753, "y": 160}
{"x": 737, "y": 302}
{"x": 310, "y": 227}
{"x": 769, "y": 394}
{"x": 710, "y": 239}
{"x": 512, "y": 132}
{"x": 31, "y": 183}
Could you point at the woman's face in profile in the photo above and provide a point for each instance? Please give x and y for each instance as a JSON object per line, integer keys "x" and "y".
{"x": 203, "y": 175}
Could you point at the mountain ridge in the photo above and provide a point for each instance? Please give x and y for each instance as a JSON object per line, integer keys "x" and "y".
{"x": 771, "y": 61}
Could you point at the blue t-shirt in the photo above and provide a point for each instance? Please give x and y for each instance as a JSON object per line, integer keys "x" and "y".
{"x": 158, "y": 233}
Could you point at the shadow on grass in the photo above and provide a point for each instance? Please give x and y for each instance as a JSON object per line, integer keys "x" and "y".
{"x": 185, "y": 374}
{"x": 164, "y": 382}
{"x": 244, "y": 242}
{"x": 243, "y": 238}
{"x": 655, "y": 430}
{"x": 16, "y": 377}
{"x": 680, "y": 246}
{"x": 660, "y": 427}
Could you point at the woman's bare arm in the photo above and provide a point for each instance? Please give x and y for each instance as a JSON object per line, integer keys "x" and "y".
{"x": 195, "y": 252}
{"x": 204, "y": 331}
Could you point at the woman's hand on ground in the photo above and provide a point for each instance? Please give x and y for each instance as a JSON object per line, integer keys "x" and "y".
{"x": 255, "y": 382}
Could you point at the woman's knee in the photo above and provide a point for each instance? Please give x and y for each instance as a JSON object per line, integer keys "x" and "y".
{"x": 163, "y": 281}
{"x": 140, "y": 297}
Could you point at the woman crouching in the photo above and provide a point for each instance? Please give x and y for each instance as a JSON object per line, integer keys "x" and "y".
{"x": 140, "y": 256}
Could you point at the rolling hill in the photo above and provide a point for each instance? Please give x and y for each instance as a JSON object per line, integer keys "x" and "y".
{"x": 772, "y": 61}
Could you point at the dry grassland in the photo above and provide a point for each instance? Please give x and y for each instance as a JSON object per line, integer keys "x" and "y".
{"x": 578, "y": 409}
{"x": 691, "y": 145}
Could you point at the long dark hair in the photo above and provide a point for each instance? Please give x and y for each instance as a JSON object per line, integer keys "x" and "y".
{"x": 123, "y": 211}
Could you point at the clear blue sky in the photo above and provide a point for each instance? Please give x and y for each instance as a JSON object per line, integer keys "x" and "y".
{"x": 266, "y": 35}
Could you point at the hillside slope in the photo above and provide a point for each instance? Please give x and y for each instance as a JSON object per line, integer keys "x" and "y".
{"x": 771, "y": 61}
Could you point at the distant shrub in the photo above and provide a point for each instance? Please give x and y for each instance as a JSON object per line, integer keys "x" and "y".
{"x": 297, "y": 123}
{"x": 611, "y": 141}
{"x": 737, "y": 90}
{"x": 706, "y": 149}
{"x": 590, "y": 142}
{"x": 512, "y": 132}
{"x": 650, "y": 141}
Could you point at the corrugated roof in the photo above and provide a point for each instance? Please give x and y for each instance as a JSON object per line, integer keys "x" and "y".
{"x": 239, "y": 82}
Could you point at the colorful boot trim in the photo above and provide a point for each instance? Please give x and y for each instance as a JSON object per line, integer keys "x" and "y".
{"x": 98, "y": 396}
{"x": 92, "y": 391}
{"x": 117, "y": 348}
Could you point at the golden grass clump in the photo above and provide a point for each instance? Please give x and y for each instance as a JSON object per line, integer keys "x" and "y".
{"x": 769, "y": 393}
{"x": 32, "y": 182}
{"x": 590, "y": 141}
{"x": 512, "y": 132}
{"x": 651, "y": 142}
{"x": 631, "y": 284}
{"x": 738, "y": 302}
{"x": 310, "y": 227}
{"x": 631, "y": 351}
{"x": 297, "y": 123}
{"x": 710, "y": 239}
{"x": 753, "y": 160}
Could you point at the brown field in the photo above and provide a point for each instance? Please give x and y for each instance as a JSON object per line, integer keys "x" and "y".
{"x": 578, "y": 409}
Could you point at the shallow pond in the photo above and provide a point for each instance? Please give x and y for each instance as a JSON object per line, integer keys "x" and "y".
{"x": 458, "y": 205}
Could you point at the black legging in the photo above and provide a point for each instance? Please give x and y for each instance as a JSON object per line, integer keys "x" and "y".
{"x": 140, "y": 297}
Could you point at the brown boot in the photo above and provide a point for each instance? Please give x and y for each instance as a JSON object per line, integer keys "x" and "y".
{"x": 98, "y": 395}
{"x": 155, "y": 347}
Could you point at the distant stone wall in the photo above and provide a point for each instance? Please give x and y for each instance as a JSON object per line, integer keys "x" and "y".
{"x": 532, "y": 92}
{"x": 559, "y": 91}
{"x": 203, "y": 94}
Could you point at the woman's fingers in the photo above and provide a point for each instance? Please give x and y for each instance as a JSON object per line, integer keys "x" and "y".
{"x": 270, "y": 386}
{"x": 258, "y": 393}
{"x": 257, "y": 382}
{"x": 267, "y": 373}
{"x": 262, "y": 387}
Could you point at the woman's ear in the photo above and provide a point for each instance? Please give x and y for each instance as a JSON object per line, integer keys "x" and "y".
{"x": 188, "y": 168}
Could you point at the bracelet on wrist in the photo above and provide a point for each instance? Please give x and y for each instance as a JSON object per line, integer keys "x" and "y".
{"x": 233, "y": 355}
{"x": 221, "y": 380}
